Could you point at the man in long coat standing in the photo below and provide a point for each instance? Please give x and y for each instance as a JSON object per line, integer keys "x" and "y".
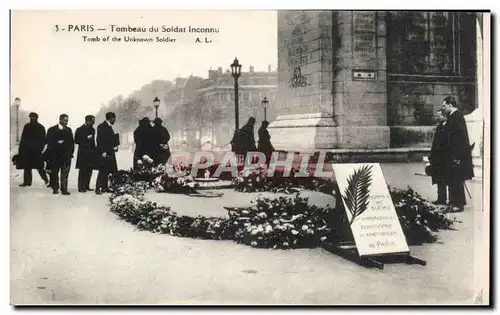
{"x": 437, "y": 159}
{"x": 107, "y": 146}
{"x": 265, "y": 146}
{"x": 161, "y": 138}
{"x": 30, "y": 150}
{"x": 459, "y": 155}
{"x": 86, "y": 158}
{"x": 60, "y": 149}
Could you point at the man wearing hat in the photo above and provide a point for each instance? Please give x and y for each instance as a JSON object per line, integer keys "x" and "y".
{"x": 264, "y": 144}
{"x": 437, "y": 159}
{"x": 30, "y": 150}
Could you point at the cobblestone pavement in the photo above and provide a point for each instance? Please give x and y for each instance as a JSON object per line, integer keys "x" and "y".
{"x": 74, "y": 250}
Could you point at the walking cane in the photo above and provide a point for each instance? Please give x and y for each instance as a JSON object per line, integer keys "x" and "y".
{"x": 468, "y": 193}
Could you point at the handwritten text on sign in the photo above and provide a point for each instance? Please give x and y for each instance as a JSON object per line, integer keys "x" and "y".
{"x": 375, "y": 224}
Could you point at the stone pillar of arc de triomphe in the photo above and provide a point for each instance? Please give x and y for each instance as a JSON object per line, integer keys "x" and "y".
{"x": 332, "y": 89}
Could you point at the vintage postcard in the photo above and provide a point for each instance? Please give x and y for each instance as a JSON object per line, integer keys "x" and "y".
{"x": 292, "y": 157}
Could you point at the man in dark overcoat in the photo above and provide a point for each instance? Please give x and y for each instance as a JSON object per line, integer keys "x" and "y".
{"x": 459, "y": 158}
{"x": 161, "y": 152}
{"x": 265, "y": 146}
{"x": 60, "y": 149}
{"x": 144, "y": 140}
{"x": 86, "y": 158}
{"x": 437, "y": 159}
{"x": 30, "y": 150}
{"x": 247, "y": 136}
{"x": 107, "y": 146}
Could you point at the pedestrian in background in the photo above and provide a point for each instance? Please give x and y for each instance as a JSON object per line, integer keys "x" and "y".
{"x": 107, "y": 146}
{"x": 30, "y": 150}
{"x": 264, "y": 144}
{"x": 60, "y": 149}
{"x": 86, "y": 157}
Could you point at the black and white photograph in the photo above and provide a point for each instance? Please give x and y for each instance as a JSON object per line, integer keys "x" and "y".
{"x": 249, "y": 157}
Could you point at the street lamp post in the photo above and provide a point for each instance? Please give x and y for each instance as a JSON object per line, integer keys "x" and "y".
{"x": 265, "y": 104}
{"x": 236, "y": 72}
{"x": 17, "y": 103}
{"x": 156, "y": 103}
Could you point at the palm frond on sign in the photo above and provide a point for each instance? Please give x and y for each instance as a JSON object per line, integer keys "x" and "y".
{"x": 357, "y": 192}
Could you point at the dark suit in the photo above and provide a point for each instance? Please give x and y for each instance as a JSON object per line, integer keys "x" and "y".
{"x": 86, "y": 158}
{"x": 60, "y": 149}
{"x": 438, "y": 160}
{"x": 107, "y": 140}
{"x": 459, "y": 166}
{"x": 30, "y": 151}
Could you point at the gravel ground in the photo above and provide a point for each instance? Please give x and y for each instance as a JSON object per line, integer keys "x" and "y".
{"x": 73, "y": 250}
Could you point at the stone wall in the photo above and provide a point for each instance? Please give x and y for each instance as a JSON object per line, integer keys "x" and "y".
{"x": 413, "y": 104}
{"x": 331, "y": 80}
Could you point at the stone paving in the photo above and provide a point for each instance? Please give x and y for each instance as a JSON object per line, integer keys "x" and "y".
{"x": 67, "y": 250}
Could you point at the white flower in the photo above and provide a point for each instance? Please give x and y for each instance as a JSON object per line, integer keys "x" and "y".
{"x": 247, "y": 224}
{"x": 305, "y": 228}
{"x": 295, "y": 232}
{"x": 139, "y": 162}
{"x": 262, "y": 215}
{"x": 254, "y": 243}
{"x": 269, "y": 229}
{"x": 276, "y": 222}
{"x": 285, "y": 244}
{"x": 254, "y": 231}
{"x": 323, "y": 238}
{"x": 310, "y": 232}
{"x": 180, "y": 181}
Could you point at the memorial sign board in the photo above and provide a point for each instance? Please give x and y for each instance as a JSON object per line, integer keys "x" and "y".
{"x": 372, "y": 217}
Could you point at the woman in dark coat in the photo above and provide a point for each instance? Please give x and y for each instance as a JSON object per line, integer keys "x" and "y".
{"x": 144, "y": 140}
{"x": 161, "y": 138}
{"x": 30, "y": 150}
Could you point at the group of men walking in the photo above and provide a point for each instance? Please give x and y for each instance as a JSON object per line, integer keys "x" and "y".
{"x": 96, "y": 151}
